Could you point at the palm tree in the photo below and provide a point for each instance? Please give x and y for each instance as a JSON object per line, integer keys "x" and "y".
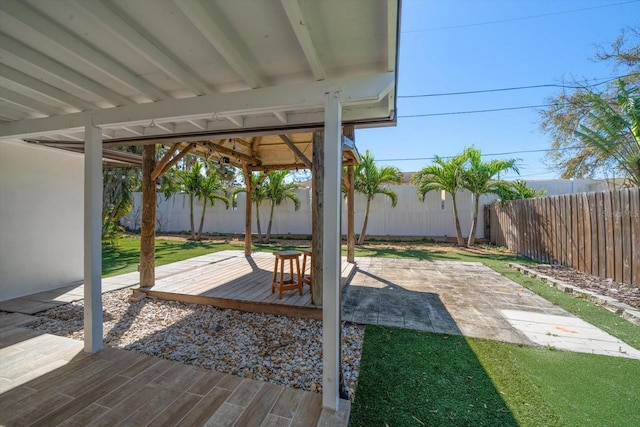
{"x": 518, "y": 189}
{"x": 212, "y": 189}
{"x": 277, "y": 190}
{"x": 370, "y": 181}
{"x": 257, "y": 197}
{"x": 442, "y": 175}
{"x": 612, "y": 129}
{"x": 191, "y": 183}
{"x": 478, "y": 179}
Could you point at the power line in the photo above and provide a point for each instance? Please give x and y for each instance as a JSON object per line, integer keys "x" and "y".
{"x": 469, "y": 92}
{"x": 491, "y": 110}
{"x": 522, "y": 18}
{"x": 508, "y": 153}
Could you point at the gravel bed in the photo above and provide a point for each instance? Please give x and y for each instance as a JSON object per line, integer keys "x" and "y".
{"x": 623, "y": 292}
{"x": 277, "y": 349}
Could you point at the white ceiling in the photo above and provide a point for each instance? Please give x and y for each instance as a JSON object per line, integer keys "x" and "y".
{"x": 143, "y": 68}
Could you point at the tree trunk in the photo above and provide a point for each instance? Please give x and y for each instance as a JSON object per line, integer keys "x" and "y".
{"x": 457, "y": 221}
{"x": 204, "y": 208}
{"x": 364, "y": 225}
{"x": 258, "y": 223}
{"x": 268, "y": 238}
{"x": 193, "y": 227}
{"x": 148, "y": 223}
{"x": 474, "y": 223}
{"x": 351, "y": 235}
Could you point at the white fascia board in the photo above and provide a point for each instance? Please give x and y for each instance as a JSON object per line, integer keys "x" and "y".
{"x": 392, "y": 34}
{"x": 351, "y": 90}
{"x": 39, "y": 23}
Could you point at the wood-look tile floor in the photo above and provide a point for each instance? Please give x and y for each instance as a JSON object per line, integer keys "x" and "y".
{"x": 49, "y": 380}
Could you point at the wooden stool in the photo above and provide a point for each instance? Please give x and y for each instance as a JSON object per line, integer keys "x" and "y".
{"x": 291, "y": 283}
{"x": 306, "y": 280}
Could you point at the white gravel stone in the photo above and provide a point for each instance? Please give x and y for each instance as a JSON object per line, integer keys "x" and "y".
{"x": 277, "y": 349}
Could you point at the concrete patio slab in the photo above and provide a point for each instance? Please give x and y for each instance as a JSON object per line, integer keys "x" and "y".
{"x": 467, "y": 298}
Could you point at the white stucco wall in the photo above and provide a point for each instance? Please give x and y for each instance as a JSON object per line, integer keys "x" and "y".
{"x": 41, "y": 219}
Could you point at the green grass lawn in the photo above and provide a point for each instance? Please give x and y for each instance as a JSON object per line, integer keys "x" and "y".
{"x": 410, "y": 378}
{"x": 125, "y": 256}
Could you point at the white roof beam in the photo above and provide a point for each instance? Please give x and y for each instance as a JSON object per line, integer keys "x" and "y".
{"x": 351, "y": 91}
{"x": 26, "y": 102}
{"x": 202, "y": 17}
{"x": 79, "y": 48}
{"x": 55, "y": 68}
{"x": 297, "y": 21}
{"x": 127, "y": 33}
{"x": 44, "y": 89}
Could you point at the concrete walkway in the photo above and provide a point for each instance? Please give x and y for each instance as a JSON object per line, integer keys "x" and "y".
{"x": 467, "y": 298}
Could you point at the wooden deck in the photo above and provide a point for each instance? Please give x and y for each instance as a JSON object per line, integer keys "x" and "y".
{"x": 49, "y": 380}
{"x": 231, "y": 280}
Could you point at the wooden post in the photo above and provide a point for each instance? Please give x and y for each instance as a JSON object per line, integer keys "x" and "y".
{"x": 351, "y": 235}
{"x": 92, "y": 239}
{"x": 247, "y": 209}
{"x": 317, "y": 184}
{"x": 148, "y": 222}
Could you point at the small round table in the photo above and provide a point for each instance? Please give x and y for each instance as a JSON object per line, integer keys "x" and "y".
{"x": 293, "y": 282}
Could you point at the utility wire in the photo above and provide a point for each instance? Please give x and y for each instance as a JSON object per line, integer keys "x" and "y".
{"x": 469, "y": 92}
{"x": 491, "y": 110}
{"x": 522, "y": 18}
{"x": 508, "y": 153}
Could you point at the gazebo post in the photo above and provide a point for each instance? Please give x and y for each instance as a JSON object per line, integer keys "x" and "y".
{"x": 317, "y": 192}
{"x": 93, "y": 239}
{"x": 331, "y": 251}
{"x": 247, "y": 219}
{"x": 148, "y": 222}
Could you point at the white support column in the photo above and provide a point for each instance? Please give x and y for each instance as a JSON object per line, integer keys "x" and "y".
{"x": 92, "y": 239}
{"x": 331, "y": 251}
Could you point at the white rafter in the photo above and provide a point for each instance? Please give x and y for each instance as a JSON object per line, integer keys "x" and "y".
{"x": 238, "y": 121}
{"x": 204, "y": 20}
{"x": 109, "y": 17}
{"x": 55, "y": 68}
{"x": 281, "y": 115}
{"x": 79, "y": 48}
{"x": 200, "y": 124}
{"x": 44, "y": 89}
{"x": 167, "y": 127}
{"x": 26, "y": 102}
{"x": 133, "y": 130}
{"x": 297, "y": 21}
{"x": 71, "y": 137}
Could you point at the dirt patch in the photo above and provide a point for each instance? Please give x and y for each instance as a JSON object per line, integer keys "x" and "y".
{"x": 623, "y": 292}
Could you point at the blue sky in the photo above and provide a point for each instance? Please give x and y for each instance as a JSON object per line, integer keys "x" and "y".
{"x": 453, "y": 46}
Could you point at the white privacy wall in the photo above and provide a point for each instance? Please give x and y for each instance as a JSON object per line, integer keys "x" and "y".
{"x": 431, "y": 218}
{"x": 41, "y": 219}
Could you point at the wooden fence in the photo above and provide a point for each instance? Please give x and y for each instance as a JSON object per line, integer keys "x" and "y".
{"x": 597, "y": 233}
